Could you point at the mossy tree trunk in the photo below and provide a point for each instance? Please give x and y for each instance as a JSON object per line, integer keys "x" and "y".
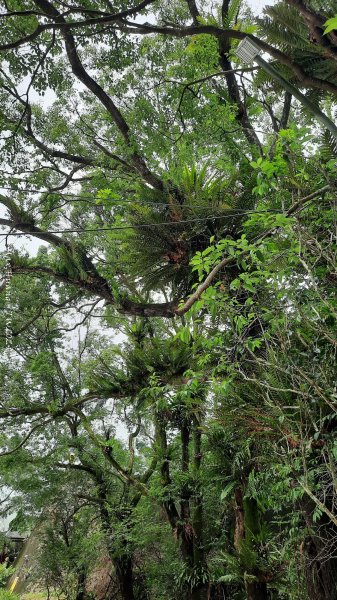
{"x": 257, "y": 591}
{"x": 81, "y": 584}
{"x": 124, "y": 573}
{"x": 320, "y": 562}
{"x": 186, "y": 517}
{"x": 247, "y": 525}
{"x": 200, "y": 592}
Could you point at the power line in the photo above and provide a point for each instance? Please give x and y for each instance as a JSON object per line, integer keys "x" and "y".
{"x": 231, "y": 212}
{"x": 91, "y": 197}
{"x": 81, "y": 197}
{"x": 138, "y": 226}
{"x": 145, "y": 202}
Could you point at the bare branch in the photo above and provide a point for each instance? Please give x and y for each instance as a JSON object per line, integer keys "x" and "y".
{"x": 25, "y": 439}
{"x": 195, "y": 14}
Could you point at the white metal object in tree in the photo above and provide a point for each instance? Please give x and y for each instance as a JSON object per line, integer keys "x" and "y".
{"x": 249, "y": 51}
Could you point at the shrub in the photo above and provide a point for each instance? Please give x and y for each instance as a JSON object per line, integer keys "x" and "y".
{"x": 7, "y": 595}
{"x": 5, "y": 573}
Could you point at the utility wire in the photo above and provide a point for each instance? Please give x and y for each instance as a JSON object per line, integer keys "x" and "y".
{"x": 139, "y": 226}
{"x": 232, "y": 212}
{"x": 120, "y": 204}
{"x": 93, "y": 197}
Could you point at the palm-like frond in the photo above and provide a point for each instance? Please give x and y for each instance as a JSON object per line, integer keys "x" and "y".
{"x": 232, "y": 13}
{"x": 328, "y": 146}
{"x": 283, "y": 26}
{"x": 170, "y": 226}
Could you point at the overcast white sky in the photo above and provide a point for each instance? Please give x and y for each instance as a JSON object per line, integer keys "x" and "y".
{"x": 258, "y": 5}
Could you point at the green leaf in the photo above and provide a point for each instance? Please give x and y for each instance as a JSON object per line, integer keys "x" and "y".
{"x": 330, "y": 25}
{"x": 227, "y": 490}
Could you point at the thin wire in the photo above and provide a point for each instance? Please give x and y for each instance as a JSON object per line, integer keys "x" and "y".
{"x": 154, "y": 204}
{"x": 139, "y": 226}
{"x": 80, "y": 197}
{"x": 72, "y": 195}
{"x": 231, "y": 210}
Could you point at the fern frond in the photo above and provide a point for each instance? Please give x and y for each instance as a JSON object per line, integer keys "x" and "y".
{"x": 328, "y": 144}
{"x": 232, "y": 13}
{"x": 174, "y": 224}
{"x": 283, "y": 36}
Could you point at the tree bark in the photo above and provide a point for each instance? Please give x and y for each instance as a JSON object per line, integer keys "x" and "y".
{"x": 124, "y": 572}
{"x": 199, "y": 593}
{"x": 246, "y": 525}
{"x": 234, "y": 94}
{"x": 81, "y": 581}
{"x": 257, "y": 590}
{"x": 320, "y": 568}
{"x": 123, "y": 563}
{"x": 202, "y": 590}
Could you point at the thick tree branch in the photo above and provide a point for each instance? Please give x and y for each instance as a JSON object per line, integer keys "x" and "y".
{"x": 194, "y": 12}
{"x": 92, "y": 85}
{"x": 233, "y": 89}
{"x": 106, "y": 450}
{"x": 109, "y": 18}
{"x": 93, "y": 283}
{"x": 145, "y": 29}
{"x": 224, "y": 10}
{"x": 29, "y": 133}
{"x": 315, "y": 23}
{"x": 98, "y": 286}
{"x": 285, "y": 111}
{"x": 101, "y": 289}
{"x": 225, "y": 34}
{"x": 25, "y": 439}
{"x": 71, "y": 406}
{"x": 234, "y": 94}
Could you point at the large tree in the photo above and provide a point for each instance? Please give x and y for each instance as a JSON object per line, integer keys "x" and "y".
{"x": 172, "y": 183}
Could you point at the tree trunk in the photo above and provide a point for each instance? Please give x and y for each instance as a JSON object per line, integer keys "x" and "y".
{"x": 256, "y": 591}
{"x": 199, "y": 593}
{"x": 123, "y": 564}
{"x": 81, "y": 581}
{"x": 188, "y": 525}
{"x": 124, "y": 572}
{"x": 320, "y": 567}
{"x": 239, "y": 531}
{"x": 247, "y": 524}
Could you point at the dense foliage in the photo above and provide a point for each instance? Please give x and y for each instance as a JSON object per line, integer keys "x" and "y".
{"x": 168, "y": 333}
